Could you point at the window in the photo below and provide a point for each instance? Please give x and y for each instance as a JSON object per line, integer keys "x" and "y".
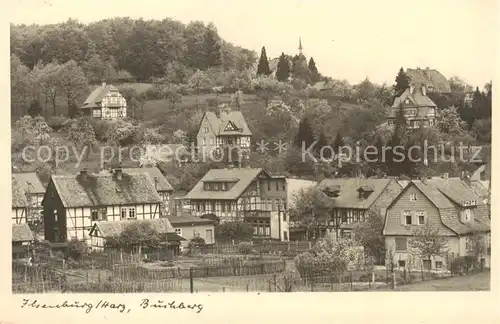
{"x": 113, "y": 112}
{"x": 390, "y": 122}
{"x": 269, "y": 185}
{"x": 203, "y": 141}
{"x": 468, "y": 245}
{"x": 55, "y": 216}
{"x": 131, "y": 212}
{"x": 223, "y": 207}
{"x": 285, "y": 235}
{"x": 439, "y": 264}
{"x": 427, "y": 264}
{"x": 407, "y": 217}
{"x": 96, "y": 113}
{"x": 95, "y": 214}
{"x": 223, "y": 186}
{"x": 124, "y": 212}
{"x": 205, "y": 130}
{"x": 178, "y": 231}
{"x": 413, "y": 197}
{"x": 209, "y": 236}
{"x": 229, "y": 206}
{"x": 401, "y": 263}
{"x": 211, "y": 141}
{"x": 407, "y": 101}
{"x": 401, "y": 244}
{"x": 431, "y": 122}
{"x": 284, "y": 185}
{"x": 277, "y": 186}
{"x": 467, "y": 215}
{"x": 421, "y": 217}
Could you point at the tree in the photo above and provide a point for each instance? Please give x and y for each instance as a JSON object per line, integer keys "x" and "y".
{"x": 77, "y": 248}
{"x": 427, "y": 242}
{"x": 365, "y": 90}
{"x": 35, "y": 108}
{"x": 305, "y": 135}
{"x": 81, "y": 134}
{"x": 237, "y": 99}
{"x": 315, "y": 75}
{"x": 139, "y": 234}
{"x": 34, "y": 130}
{"x": 263, "y": 67}
{"x": 234, "y": 230}
{"x": 50, "y": 84}
{"x": 266, "y": 88}
{"x": 362, "y": 120}
{"x": 73, "y": 83}
{"x": 312, "y": 208}
{"x": 402, "y": 82}
{"x": 478, "y": 244}
{"x": 482, "y": 130}
{"x": 322, "y": 143}
{"x": 199, "y": 81}
{"x": 449, "y": 122}
{"x": 212, "y": 46}
{"x": 369, "y": 234}
{"x": 96, "y": 70}
{"x": 338, "y": 142}
{"x": 173, "y": 94}
{"x": 19, "y": 79}
{"x": 300, "y": 69}
{"x": 283, "y": 69}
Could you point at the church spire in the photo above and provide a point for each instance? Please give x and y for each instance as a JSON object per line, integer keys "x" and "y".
{"x": 300, "y": 45}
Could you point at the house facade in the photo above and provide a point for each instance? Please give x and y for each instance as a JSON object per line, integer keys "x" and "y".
{"x": 418, "y": 108}
{"x": 448, "y": 205}
{"x": 245, "y": 194}
{"x": 222, "y": 129}
{"x": 105, "y": 102}
{"x": 190, "y": 227}
{"x": 350, "y": 201}
{"x": 19, "y": 203}
{"x": 73, "y": 204}
{"x": 33, "y": 189}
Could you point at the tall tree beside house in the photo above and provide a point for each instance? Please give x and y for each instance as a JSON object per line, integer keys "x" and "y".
{"x": 315, "y": 75}
{"x": 212, "y": 45}
{"x": 73, "y": 83}
{"x": 305, "y": 134}
{"x": 427, "y": 243}
{"x": 312, "y": 207}
{"x": 263, "y": 67}
{"x": 402, "y": 82}
{"x": 369, "y": 234}
{"x": 283, "y": 69}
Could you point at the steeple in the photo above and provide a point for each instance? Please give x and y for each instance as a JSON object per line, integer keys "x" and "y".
{"x": 300, "y": 45}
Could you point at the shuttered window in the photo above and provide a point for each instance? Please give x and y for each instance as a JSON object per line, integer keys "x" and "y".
{"x": 401, "y": 244}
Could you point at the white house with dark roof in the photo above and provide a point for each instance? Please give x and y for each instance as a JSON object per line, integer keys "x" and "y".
{"x": 246, "y": 194}
{"x": 105, "y": 102}
{"x": 189, "y": 227}
{"x": 225, "y": 127}
{"x": 417, "y": 107}
{"x": 74, "y": 203}
{"x": 33, "y": 190}
{"x": 448, "y": 204}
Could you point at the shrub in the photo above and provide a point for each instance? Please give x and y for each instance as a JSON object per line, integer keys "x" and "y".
{"x": 77, "y": 248}
{"x": 153, "y": 93}
{"x": 245, "y": 248}
{"x": 57, "y": 122}
{"x": 458, "y": 266}
{"x": 100, "y": 129}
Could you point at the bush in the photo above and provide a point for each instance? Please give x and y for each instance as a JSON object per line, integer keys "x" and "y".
{"x": 153, "y": 93}
{"x": 77, "y": 248}
{"x": 100, "y": 129}
{"x": 245, "y": 248}
{"x": 57, "y": 122}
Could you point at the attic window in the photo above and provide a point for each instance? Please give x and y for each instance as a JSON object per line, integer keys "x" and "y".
{"x": 119, "y": 190}
{"x": 332, "y": 191}
{"x": 230, "y": 127}
{"x": 407, "y": 101}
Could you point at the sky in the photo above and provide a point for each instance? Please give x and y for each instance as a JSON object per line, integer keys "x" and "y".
{"x": 348, "y": 39}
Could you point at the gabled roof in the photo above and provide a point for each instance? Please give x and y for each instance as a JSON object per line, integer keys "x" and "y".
{"x": 22, "y": 233}
{"x": 115, "y": 228}
{"x": 349, "y": 194}
{"x": 97, "y": 95}
{"x": 242, "y": 176}
{"x": 30, "y": 182}
{"x": 19, "y": 199}
{"x": 449, "y": 212}
{"x": 153, "y": 172}
{"x": 430, "y": 78}
{"x": 454, "y": 189}
{"x": 416, "y": 99}
{"x": 219, "y": 124}
{"x": 105, "y": 189}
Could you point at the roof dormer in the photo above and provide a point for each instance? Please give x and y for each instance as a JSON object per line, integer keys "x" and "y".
{"x": 332, "y": 191}
{"x": 365, "y": 191}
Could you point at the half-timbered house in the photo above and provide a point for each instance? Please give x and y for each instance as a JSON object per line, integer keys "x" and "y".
{"x": 245, "y": 194}
{"x": 34, "y": 191}
{"x": 105, "y": 102}
{"x": 19, "y": 203}
{"x": 73, "y": 204}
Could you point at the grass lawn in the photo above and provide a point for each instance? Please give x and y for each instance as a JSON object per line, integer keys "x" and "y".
{"x": 475, "y": 282}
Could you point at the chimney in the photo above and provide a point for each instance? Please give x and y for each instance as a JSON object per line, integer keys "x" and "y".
{"x": 156, "y": 183}
{"x": 445, "y": 176}
{"x": 103, "y": 84}
{"x": 118, "y": 173}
